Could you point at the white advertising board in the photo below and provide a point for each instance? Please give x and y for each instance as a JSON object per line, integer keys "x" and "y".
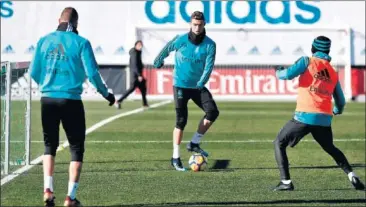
{"x": 110, "y": 26}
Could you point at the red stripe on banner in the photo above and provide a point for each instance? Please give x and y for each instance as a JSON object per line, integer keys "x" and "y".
{"x": 358, "y": 82}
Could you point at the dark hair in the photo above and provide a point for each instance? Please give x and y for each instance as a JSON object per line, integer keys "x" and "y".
{"x": 198, "y": 16}
{"x": 321, "y": 44}
{"x": 70, "y": 14}
{"x": 137, "y": 42}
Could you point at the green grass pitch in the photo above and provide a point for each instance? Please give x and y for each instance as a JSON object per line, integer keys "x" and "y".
{"x": 127, "y": 162}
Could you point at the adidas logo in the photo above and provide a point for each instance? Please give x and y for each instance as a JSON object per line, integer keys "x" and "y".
{"x": 58, "y": 53}
{"x": 254, "y": 51}
{"x": 98, "y": 50}
{"x": 323, "y": 75}
{"x": 119, "y": 51}
{"x": 8, "y": 50}
{"x": 30, "y": 50}
{"x": 276, "y": 51}
{"x": 58, "y": 49}
{"x": 298, "y": 51}
{"x": 232, "y": 51}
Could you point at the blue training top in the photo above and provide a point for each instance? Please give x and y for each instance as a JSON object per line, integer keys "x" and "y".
{"x": 193, "y": 63}
{"x": 61, "y": 63}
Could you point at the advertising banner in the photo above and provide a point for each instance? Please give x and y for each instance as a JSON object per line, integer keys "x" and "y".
{"x": 111, "y": 27}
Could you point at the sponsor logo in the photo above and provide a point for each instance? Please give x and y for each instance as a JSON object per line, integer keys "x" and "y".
{"x": 120, "y": 51}
{"x": 303, "y": 12}
{"x": 323, "y": 75}
{"x": 57, "y": 52}
{"x": 232, "y": 51}
{"x": 231, "y": 82}
{"x": 254, "y": 51}
{"x": 276, "y": 51}
{"x": 30, "y": 50}
{"x": 98, "y": 50}
{"x": 8, "y": 50}
{"x": 299, "y": 51}
{"x": 320, "y": 91}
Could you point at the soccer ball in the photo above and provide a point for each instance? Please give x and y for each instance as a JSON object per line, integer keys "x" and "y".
{"x": 197, "y": 162}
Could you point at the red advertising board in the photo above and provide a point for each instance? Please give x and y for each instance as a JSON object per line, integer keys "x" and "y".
{"x": 243, "y": 81}
{"x": 358, "y": 82}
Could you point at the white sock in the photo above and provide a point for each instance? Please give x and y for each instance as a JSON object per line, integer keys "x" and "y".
{"x": 286, "y": 181}
{"x": 48, "y": 182}
{"x": 72, "y": 190}
{"x": 176, "y": 150}
{"x": 351, "y": 175}
{"x": 196, "y": 138}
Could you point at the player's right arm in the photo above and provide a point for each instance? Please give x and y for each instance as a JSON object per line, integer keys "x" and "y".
{"x": 91, "y": 68}
{"x": 164, "y": 53}
{"x": 293, "y": 71}
{"x": 339, "y": 99}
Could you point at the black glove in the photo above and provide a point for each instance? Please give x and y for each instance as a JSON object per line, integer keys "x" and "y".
{"x": 160, "y": 66}
{"x": 111, "y": 99}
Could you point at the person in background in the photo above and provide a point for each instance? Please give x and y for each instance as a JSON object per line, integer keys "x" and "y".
{"x": 137, "y": 79}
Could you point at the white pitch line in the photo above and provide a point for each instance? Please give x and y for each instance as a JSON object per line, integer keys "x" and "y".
{"x": 261, "y": 112}
{"x": 207, "y": 141}
{"x": 203, "y": 141}
{"x": 38, "y": 160}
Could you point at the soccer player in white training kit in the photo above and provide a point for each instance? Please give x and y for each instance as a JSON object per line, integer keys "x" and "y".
{"x": 194, "y": 61}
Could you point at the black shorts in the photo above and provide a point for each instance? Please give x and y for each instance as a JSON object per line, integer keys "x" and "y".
{"x": 72, "y": 116}
{"x": 202, "y": 98}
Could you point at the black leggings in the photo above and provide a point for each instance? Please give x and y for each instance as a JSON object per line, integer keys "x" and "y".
{"x": 293, "y": 132}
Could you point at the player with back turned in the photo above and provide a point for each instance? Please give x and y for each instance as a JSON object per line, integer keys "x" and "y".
{"x": 194, "y": 61}
{"x": 318, "y": 83}
{"x": 61, "y": 62}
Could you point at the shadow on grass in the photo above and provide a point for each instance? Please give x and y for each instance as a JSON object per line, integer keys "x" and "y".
{"x": 218, "y": 166}
{"x": 357, "y": 165}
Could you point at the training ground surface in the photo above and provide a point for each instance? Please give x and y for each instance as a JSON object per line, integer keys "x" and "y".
{"x": 127, "y": 161}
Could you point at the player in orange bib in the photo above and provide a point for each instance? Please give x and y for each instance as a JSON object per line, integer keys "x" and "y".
{"x": 318, "y": 84}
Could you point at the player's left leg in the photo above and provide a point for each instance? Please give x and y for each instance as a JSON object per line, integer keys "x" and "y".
{"x": 324, "y": 136}
{"x": 142, "y": 87}
{"x": 73, "y": 121}
{"x": 126, "y": 94}
{"x": 203, "y": 99}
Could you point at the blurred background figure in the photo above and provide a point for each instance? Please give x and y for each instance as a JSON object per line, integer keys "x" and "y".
{"x": 137, "y": 79}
